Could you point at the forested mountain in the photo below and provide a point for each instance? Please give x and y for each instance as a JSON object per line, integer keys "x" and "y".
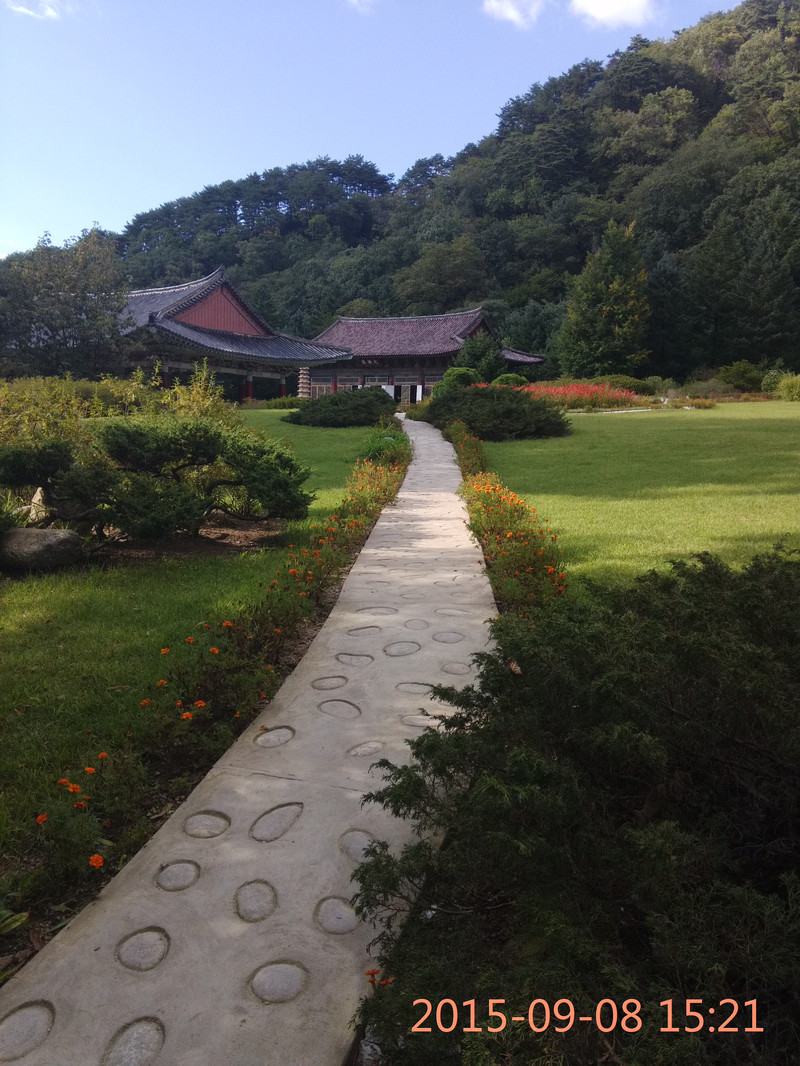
{"x": 695, "y": 140}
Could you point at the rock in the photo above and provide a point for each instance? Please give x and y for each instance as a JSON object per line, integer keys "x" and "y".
{"x": 39, "y": 549}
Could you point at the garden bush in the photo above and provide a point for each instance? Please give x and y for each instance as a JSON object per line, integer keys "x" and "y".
{"x": 510, "y": 380}
{"x": 387, "y": 444}
{"x": 743, "y": 375}
{"x": 358, "y": 407}
{"x": 619, "y": 799}
{"x": 789, "y": 387}
{"x": 497, "y": 413}
{"x": 155, "y": 476}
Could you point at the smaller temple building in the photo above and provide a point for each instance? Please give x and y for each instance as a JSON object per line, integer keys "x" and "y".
{"x": 404, "y": 355}
{"x": 181, "y": 324}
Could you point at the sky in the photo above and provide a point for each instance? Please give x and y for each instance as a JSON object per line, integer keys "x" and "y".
{"x": 113, "y": 107}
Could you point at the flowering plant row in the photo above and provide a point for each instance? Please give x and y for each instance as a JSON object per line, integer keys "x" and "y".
{"x": 580, "y": 396}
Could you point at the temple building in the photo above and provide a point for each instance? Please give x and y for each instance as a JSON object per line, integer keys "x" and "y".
{"x": 405, "y": 355}
{"x": 182, "y": 324}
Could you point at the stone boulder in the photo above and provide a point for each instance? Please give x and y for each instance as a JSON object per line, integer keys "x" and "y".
{"x": 39, "y": 549}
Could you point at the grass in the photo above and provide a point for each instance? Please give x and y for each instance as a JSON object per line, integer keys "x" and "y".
{"x": 81, "y": 649}
{"x": 629, "y": 492}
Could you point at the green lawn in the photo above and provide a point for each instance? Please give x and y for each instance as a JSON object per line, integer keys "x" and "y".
{"x": 630, "y": 491}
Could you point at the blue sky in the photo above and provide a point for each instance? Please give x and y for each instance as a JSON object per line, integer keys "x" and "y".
{"x": 112, "y": 107}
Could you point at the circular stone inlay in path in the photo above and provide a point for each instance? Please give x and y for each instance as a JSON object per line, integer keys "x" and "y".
{"x": 324, "y": 683}
{"x": 336, "y": 915}
{"x": 340, "y": 709}
{"x": 276, "y": 822}
{"x": 255, "y": 901}
{"x": 364, "y": 631}
{"x": 455, "y": 668}
{"x": 452, "y": 612}
{"x": 25, "y": 1029}
{"x": 413, "y": 688}
{"x": 206, "y": 824}
{"x": 143, "y": 950}
{"x": 421, "y": 721}
{"x": 369, "y": 747}
{"x": 346, "y": 659}
{"x": 377, "y": 610}
{"x": 136, "y": 1044}
{"x": 448, "y": 637}
{"x": 274, "y": 738}
{"x": 416, "y": 623}
{"x": 279, "y": 982}
{"x": 176, "y": 876}
{"x": 402, "y": 647}
{"x": 354, "y": 843}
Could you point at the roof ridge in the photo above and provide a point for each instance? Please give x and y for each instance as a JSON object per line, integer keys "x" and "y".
{"x": 213, "y": 276}
{"x": 409, "y": 318}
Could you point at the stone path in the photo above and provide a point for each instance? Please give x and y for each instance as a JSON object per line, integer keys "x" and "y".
{"x": 229, "y": 939}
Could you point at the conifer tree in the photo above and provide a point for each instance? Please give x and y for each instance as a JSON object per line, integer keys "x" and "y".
{"x": 607, "y": 311}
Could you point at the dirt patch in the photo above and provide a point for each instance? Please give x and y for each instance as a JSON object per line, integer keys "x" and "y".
{"x": 219, "y": 536}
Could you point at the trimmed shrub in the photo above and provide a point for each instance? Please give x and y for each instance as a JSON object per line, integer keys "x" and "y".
{"x": 457, "y": 377}
{"x": 742, "y": 374}
{"x": 358, "y": 407}
{"x": 497, "y": 414}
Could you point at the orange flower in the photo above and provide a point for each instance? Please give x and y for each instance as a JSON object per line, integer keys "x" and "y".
{"x": 144, "y": 703}
{"x": 277, "y": 630}
{"x": 80, "y": 805}
{"x": 371, "y": 973}
{"x": 74, "y": 788}
{"x": 165, "y": 651}
{"x": 187, "y": 716}
{"x": 214, "y": 651}
{"x": 107, "y": 823}
{"x": 160, "y": 683}
{"x": 63, "y": 781}
{"x": 41, "y": 819}
{"x": 179, "y": 703}
{"x": 199, "y": 703}
{"x": 103, "y": 755}
{"x": 228, "y": 625}
{"x": 89, "y": 770}
{"x": 96, "y": 861}
{"x": 190, "y": 640}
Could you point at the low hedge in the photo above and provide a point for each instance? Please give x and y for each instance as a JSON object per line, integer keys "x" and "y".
{"x": 497, "y": 413}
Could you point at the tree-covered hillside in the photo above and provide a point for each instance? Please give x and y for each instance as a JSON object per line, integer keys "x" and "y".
{"x": 695, "y": 142}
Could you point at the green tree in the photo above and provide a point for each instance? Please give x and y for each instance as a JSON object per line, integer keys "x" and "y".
{"x": 482, "y": 353}
{"x": 607, "y": 311}
{"x": 59, "y": 308}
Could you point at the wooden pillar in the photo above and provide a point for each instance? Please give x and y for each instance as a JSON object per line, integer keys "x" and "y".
{"x": 283, "y": 387}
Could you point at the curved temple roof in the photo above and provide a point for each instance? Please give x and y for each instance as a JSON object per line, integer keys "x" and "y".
{"x": 160, "y": 308}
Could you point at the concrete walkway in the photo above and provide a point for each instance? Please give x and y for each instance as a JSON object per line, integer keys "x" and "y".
{"x": 229, "y": 939}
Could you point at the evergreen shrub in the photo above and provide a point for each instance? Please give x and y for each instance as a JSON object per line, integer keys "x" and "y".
{"x": 456, "y": 377}
{"x": 619, "y": 798}
{"x": 510, "y": 380}
{"x": 358, "y": 407}
{"x": 497, "y": 413}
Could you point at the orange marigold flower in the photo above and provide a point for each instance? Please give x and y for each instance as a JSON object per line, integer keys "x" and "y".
{"x": 179, "y": 703}
{"x": 371, "y": 973}
{"x": 63, "y": 781}
{"x": 165, "y": 651}
{"x": 80, "y": 805}
{"x": 160, "y": 683}
{"x": 107, "y": 823}
{"x": 292, "y": 572}
{"x": 103, "y": 755}
{"x": 228, "y": 625}
{"x": 190, "y": 640}
{"x": 74, "y": 788}
{"x": 89, "y": 770}
{"x": 96, "y": 861}
{"x": 277, "y": 630}
{"x": 187, "y": 716}
{"x": 144, "y": 703}
{"x": 214, "y": 651}
{"x": 41, "y": 819}
{"x": 199, "y": 703}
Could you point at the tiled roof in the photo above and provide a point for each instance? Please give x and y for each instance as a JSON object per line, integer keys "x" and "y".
{"x": 278, "y": 349}
{"x": 156, "y": 308}
{"x": 511, "y": 355}
{"x": 424, "y": 335}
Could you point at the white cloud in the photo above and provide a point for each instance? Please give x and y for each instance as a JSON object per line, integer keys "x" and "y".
{"x": 362, "y": 6}
{"x": 41, "y": 9}
{"x": 523, "y": 13}
{"x": 614, "y": 12}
